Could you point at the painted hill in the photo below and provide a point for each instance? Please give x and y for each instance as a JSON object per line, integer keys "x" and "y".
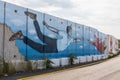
{"x": 11, "y": 51}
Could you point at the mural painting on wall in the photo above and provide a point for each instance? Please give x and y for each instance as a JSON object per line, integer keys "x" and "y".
{"x": 51, "y": 36}
{"x": 98, "y": 42}
{"x": 51, "y": 44}
{"x": 111, "y": 43}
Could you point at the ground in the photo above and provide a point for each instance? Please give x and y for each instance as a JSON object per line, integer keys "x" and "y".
{"x": 108, "y": 70}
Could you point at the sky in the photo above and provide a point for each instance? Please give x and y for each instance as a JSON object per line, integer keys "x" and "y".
{"x": 103, "y": 15}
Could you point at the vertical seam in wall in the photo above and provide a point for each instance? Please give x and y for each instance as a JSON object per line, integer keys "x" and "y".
{"x": 43, "y": 37}
{"x": 89, "y": 43}
{"x": 83, "y": 41}
{"x": 4, "y": 31}
{"x": 27, "y": 35}
{"x": 67, "y": 38}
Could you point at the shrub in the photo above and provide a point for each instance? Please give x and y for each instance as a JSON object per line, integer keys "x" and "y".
{"x": 35, "y": 65}
{"x": 29, "y": 66}
{"x": 12, "y": 69}
{"x": 5, "y": 67}
{"x": 1, "y": 67}
{"x": 48, "y": 63}
{"x": 72, "y": 57}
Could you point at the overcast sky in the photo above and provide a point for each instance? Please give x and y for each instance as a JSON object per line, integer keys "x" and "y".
{"x": 104, "y": 15}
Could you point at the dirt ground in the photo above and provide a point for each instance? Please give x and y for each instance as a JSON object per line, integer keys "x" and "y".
{"x": 108, "y": 70}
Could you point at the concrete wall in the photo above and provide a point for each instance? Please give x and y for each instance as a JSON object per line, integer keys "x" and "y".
{"x": 40, "y": 40}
